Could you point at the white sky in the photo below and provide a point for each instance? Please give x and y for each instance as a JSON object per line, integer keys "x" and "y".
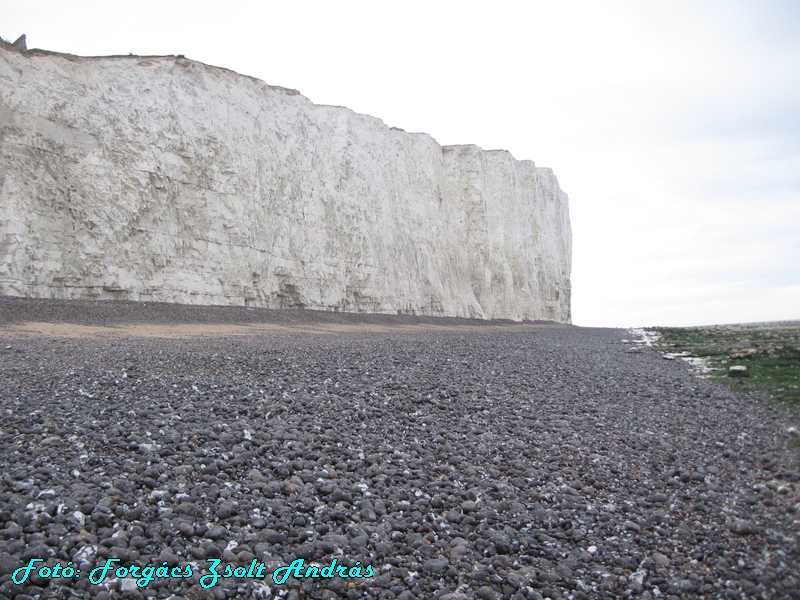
{"x": 673, "y": 126}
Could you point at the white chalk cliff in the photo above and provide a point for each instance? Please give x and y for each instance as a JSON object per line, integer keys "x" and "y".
{"x": 162, "y": 178}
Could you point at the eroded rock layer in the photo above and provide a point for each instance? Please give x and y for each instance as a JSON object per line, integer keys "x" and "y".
{"x": 162, "y": 178}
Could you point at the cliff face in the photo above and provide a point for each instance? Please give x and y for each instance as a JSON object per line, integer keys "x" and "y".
{"x": 161, "y": 178}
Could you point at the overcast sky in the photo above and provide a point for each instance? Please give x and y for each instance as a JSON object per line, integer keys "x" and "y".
{"x": 674, "y": 127}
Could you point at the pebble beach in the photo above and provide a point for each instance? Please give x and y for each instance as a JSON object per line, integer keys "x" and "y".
{"x": 457, "y": 459}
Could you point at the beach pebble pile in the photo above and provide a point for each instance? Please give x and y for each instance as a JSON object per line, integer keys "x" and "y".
{"x": 457, "y": 464}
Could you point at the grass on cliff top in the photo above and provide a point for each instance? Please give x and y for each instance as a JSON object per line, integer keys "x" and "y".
{"x": 770, "y": 351}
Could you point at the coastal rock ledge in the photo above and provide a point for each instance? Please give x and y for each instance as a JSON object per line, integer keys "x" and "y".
{"x": 161, "y": 178}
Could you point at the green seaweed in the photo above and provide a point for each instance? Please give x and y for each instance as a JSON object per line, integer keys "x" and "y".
{"x": 770, "y": 351}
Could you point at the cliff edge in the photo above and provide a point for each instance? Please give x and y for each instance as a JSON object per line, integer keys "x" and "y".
{"x": 162, "y": 178}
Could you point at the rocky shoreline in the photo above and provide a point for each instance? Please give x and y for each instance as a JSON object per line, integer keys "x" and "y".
{"x": 458, "y": 461}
